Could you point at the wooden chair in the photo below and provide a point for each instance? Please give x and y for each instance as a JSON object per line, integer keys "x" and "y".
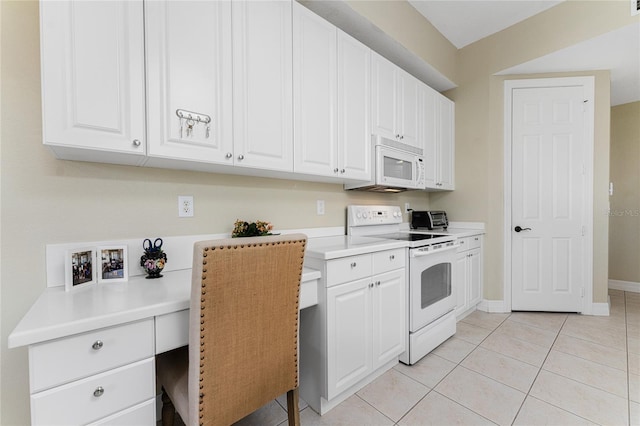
{"x": 243, "y": 332}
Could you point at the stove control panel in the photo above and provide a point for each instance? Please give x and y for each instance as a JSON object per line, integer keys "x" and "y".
{"x": 373, "y": 215}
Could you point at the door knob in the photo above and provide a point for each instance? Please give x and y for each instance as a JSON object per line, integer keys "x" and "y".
{"x": 518, "y": 229}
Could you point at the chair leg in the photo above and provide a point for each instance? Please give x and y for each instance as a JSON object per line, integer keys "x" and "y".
{"x": 168, "y": 410}
{"x": 292, "y": 407}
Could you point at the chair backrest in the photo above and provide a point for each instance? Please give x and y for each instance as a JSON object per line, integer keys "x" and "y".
{"x": 243, "y": 343}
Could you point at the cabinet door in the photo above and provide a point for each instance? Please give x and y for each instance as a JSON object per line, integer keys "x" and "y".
{"x": 354, "y": 108}
{"x": 389, "y": 316}
{"x": 429, "y": 134}
{"x": 383, "y": 97}
{"x": 460, "y": 282}
{"x": 446, "y": 144}
{"x": 93, "y": 79}
{"x": 189, "y": 68}
{"x": 262, "y": 89}
{"x": 408, "y": 109}
{"x": 348, "y": 335}
{"x": 314, "y": 93}
{"x": 475, "y": 276}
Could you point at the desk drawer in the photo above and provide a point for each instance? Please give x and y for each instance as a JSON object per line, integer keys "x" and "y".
{"x": 80, "y": 403}
{"x": 172, "y": 331}
{"x": 64, "y": 360}
{"x": 385, "y": 261}
{"x": 348, "y": 269}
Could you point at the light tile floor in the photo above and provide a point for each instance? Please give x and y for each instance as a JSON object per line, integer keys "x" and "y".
{"x": 506, "y": 369}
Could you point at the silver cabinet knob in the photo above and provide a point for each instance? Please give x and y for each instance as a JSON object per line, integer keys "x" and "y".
{"x": 342, "y": 171}
{"x": 397, "y": 136}
{"x": 335, "y": 170}
{"x": 378, "y": 283}
{"x": 392, "y": 257}
{"x": 229, "y": 155}
{"x": 98, "y": 392}
{"x": 240, "y": 157}
{"x": 353, "y": 264}
{"x": 136, "y": 142}
{"x": 371, "y": 285}
{"x": 401, "y": 137}
{"x": 97, "y": 345}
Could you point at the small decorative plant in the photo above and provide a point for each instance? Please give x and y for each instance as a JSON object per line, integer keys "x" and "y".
{"x": 253, "y": 229}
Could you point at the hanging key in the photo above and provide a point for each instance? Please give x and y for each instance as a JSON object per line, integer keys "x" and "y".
{"x": 180, "y": 127}
{"x": 190, "y": 124}
{"x": 208, "y": 129}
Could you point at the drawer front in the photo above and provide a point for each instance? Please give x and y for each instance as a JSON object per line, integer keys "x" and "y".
{"x": 81, "y": 402}
{"x": 142, "y": 414}
{"x": 385, "y": 261}
{"x": 348, "y": 269}
{"x": 172, "y": 331}
{"x": 71, "y": 358}
{"x": 469, "y": 243}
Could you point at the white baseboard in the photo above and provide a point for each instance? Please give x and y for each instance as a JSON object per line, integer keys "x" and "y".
{"x": 624, "y": 285}
{"x": 601, "y": 309}
{"x": 492, "y": 306}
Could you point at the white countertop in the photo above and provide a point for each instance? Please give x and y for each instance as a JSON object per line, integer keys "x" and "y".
{"x": 326, "y": 248}
{"x": 57, "y": 313}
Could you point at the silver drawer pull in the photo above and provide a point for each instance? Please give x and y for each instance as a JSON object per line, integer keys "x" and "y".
{"x": 353, "y": 264}
{"x": 98, "y": 392}
{"x": 378, "y": 283}
{"x": 97, "y": 345}
{"x": 392, "y": 257}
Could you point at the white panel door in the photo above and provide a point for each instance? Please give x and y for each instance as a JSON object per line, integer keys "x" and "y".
{"x": 354, "y": 108}
{"x": 349, "y": 340}
{"x": 93, "y": 75}
{"x": 446, "y": 145}
{"x": 189, "y": 68}
{"x": 389, "y": 317}
{"x": 262, "y": 89}
{"x": 383, "y": 97}
{"x": 408, "y": 109}
{"x": 314, "y": 93}
{"x": 548, "y": 190}
{"x": 429, "y": 134}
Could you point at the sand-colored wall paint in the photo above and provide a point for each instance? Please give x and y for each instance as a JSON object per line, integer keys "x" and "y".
{"x": 45, "y": 200}
{"x": 624, "y": 220}
{"x": 407, "y": 26}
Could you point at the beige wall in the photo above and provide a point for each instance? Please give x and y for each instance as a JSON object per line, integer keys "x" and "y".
{"x": 45, "y": 200}
{"x": 624, "y": 220}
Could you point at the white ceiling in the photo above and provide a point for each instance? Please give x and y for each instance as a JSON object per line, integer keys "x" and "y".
{"x": 463, "y": 22}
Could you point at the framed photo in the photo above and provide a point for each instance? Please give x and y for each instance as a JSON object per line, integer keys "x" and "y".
{"x": 113, "y": 265}
{"x": 80, "y": 268}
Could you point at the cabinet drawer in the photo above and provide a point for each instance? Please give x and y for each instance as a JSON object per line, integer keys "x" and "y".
{"x": 79, "y": 402}
{"x": 64, "y": 360}
{"x": 172, "y": 331}
{"x": 348, "y": 269}
{"x": 468, "y": 243}
{"x": 385, "y": 261}
{"x": 142, "y": 414}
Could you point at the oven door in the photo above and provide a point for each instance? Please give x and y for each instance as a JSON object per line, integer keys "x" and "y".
{"x": 430, "y": 285}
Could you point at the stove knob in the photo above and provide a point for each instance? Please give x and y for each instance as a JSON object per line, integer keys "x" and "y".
{"x": 358, "y": 215}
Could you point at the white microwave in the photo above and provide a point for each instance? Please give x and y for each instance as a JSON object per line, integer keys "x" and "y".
{"x": 396, "y": 167}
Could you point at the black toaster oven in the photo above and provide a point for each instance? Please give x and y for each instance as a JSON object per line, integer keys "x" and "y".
{"x": 430, "y": 219}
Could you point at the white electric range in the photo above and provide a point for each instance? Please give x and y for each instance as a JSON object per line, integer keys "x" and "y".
{"x": 430, "y": 269}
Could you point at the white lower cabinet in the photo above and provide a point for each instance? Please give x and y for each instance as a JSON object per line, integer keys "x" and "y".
{"x": 358, "y": 328}
{"x": 468, "y": 275}
{"x": 105, "y": 376}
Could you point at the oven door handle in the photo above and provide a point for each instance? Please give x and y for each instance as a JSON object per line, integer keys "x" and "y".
{"x": 418, "y": 253}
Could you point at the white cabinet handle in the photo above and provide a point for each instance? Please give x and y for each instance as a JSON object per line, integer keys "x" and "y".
{"x": 98, "y": 392}
{"x": 97, "y": 345}
{"x": 136, "y": 142}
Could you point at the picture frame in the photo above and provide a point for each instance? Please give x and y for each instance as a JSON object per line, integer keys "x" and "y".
{"x": 113, "y": 264}
{"x": 80, "y": 270}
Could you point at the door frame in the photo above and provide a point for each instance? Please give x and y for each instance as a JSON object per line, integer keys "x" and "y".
{"x": 588, "y": 85}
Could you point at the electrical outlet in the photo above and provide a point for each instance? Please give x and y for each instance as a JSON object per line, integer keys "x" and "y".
{"x": 185, "y": 206}
{"x": 319, "y": 207}
{"x": 407, "y": 207}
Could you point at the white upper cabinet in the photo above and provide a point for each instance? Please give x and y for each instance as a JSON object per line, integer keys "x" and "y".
{"x": 189, "y": 71}
{"x": 262, "y": 89}
{"x": 354, "y": 108}
{"x": 439, "y": 141}
{"x": 93, "y": 80}
{"x": 395, "y": 102}
{"x": 331, "y": 77}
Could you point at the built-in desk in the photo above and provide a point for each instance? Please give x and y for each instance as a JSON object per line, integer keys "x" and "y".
{"x": 91, "y": 350}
